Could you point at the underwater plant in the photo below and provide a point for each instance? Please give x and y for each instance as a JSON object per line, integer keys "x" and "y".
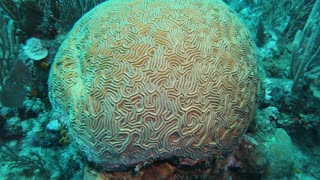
{"x": 305, "y": 61}
{"x": 8, "y": 45}
{"x": 14, "y": 74}
{"x": 28, "y": 164}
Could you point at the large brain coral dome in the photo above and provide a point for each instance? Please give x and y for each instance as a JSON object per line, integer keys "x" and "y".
{"x": 142, "y": 80}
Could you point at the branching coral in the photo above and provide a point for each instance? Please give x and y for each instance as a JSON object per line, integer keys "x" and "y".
{"x": 305, "y": 59}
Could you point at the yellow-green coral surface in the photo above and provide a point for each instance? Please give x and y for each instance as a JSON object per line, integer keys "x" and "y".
{"x": 143, "y": 80}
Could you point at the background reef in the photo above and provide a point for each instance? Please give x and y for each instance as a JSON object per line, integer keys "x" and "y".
{"x": 281, "y": 142}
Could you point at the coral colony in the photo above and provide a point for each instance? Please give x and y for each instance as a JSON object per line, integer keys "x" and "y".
{"x": 159, "y": 89}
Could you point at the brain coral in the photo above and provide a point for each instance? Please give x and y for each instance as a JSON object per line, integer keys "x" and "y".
{"x": 141, "y": 80}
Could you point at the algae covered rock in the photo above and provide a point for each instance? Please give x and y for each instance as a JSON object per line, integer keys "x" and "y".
{"x": 282, "y": 162}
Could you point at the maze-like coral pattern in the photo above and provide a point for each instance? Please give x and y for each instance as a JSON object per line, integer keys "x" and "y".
{"x": 151, "y": 79}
